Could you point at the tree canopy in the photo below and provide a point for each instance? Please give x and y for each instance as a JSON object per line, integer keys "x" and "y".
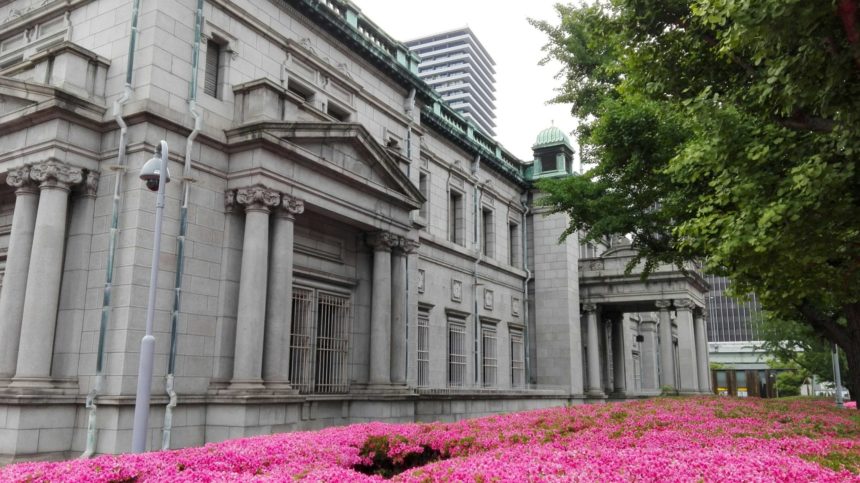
{"x": 725, "y": 131}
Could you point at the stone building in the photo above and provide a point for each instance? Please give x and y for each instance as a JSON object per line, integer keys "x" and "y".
{"x": 339, "y": 245}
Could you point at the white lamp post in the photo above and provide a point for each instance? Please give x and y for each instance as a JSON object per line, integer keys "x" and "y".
{"x": 837, "y": 376}
{"x": 155, "y": 178}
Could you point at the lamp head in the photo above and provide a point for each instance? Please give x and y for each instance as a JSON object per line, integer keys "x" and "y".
{"x": 151, "y": 171}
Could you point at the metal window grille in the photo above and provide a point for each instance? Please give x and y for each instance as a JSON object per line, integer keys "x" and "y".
{"x": 490, "y": 359}
{"x": 319, "y": 342}
{"x": 213, "y": 64}
{"x": 332, "y": 343}
{"x": 456, "y": 354}
{"x": 518, "y": 366}
{"x": 423, "y": 350}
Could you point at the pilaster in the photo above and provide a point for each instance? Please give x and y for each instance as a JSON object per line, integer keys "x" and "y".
{"x": 667, "y": 356}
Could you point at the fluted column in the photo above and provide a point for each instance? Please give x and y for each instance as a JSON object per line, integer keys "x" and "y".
{"x": 648, "y": 331}
{"x": 279, "y": 306}
{"x": 251, "y": 319}
{"x": 36, "y": 348}
{"x": 380, "y": 309}
{"x": 17, "y": 266}
{"x": 667, "y": 356}
{"x": 593, "y": 350}
{"x": 702, "y": 353}
{"x": 689, "y": 383}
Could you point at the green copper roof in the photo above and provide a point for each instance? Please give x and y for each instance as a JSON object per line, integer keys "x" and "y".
{"x": 552, "y": 136}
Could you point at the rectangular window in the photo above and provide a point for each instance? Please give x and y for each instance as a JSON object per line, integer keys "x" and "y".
{"x": 213, "y": 66}
{"x": 455, "y": 218}
{"x": 319, "y": 341}
{"x": 337, "y": 112}
{"x": 518, "y": 358}
{"x": 514, "y": 250}
{"x": 490, "y": 361}
{"x": 488, "y": 233}
{"x": 424, "y": 188}
{"x": 305, "y": 93}
{"x": 456, "y": 353}
{"x": 423, "y": 349}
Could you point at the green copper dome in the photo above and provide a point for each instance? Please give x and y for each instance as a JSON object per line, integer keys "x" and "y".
{"x": 551, "y": 136}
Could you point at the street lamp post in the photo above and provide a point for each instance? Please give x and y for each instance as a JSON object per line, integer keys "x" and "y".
{"x": 155, "y": 178}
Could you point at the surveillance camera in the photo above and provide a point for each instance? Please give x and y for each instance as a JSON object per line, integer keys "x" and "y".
{"x": 150, "y": 173}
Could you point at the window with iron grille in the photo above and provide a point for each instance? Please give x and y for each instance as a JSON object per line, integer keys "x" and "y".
{"x": 423, "y": 349}
{"x": 213, "y": 66}
{"x": 319, "y": 341}
{"x": 456, "y": 353}
{"x": 490, "y": 363}
{"x": 518, "y": 358}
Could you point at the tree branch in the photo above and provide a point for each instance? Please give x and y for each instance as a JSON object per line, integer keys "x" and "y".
{"x": 825, "y": 324}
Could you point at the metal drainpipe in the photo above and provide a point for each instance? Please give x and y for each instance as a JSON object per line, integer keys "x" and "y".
{"x": 478, "y": 257}
{"x": 526, "y": 210}
{"x": 183, "y": 230}
{"x": 408, "y": 107}
{"x": 114, "y": 231}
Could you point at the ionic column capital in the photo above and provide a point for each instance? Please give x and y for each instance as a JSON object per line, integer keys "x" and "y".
{"x": 292, "y": 206}
{"x": 53, "y": 174}
{"x": 258, "y": 198}
{"x": 589, "y": 307}
{"x": 383, "y": 241}
{"x": 683, "y": 304}
{"x": 19, "y": 178}
{"x": 91, "y": 184}
{"x": 409, "y": 246}
{"x": 663, "y": 304}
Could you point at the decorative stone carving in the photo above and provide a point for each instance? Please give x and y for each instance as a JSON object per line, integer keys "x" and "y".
{"x": 488, "y": 299}
{"x": 596, "y": 265}
{"x": 91, "y": 184}
{"x": 683, "y": 304}
{"x": 456, "y": 291}
{"x": 229, "y": 200}
{"x": 589, "y": 307}
{"x": 383, "y": 240}
{"x": 409, "y": 246}
{"x": 515, "y": 306}
{"x": 19, "y": 178}
{"x": 421, "y": 280}
{"x": 663, "y": 304}
{"x": 292, "y": 206}
{"x": 55, "y": 174}
{"x": 258, "y": 198}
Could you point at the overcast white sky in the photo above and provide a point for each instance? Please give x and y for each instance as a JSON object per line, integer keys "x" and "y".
{"x": 522, "y": 86}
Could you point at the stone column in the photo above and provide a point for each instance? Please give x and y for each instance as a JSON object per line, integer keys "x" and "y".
{"x": 251, "y": 319}
{"x": 279, "y": 306}
{"x": 228, "y": 292}
{"x": 17, "y": 266}
{"x": 648, "y": 331}
{"x": 702, "y": 353}
{"x": 667, "y": 358}
{"x": 380, "y": 309}
{"x": 593, "y": 350}
{"x": 689, "y": 383}
{"x": 619, "y": 374}
{"x": 36, "y": 348}
{"x": 73, "y": 291}
{"x": 399, "y": 301}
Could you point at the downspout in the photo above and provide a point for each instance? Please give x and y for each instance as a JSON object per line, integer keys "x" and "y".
{"x": 526, "y": 210}
{"x": 183, "y": 230}
{"x": 114, "y": 231}
{"x": 478, "y": 257}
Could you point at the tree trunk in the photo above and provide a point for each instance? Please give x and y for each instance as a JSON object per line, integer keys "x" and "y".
{"x": 852, "y": 350}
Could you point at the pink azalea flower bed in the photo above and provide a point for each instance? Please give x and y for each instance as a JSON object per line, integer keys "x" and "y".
{"x": 667, "y": 439}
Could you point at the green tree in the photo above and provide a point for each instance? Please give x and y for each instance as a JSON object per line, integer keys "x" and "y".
{"x": 788, "y": 383}
{"x": 726, "y": 131}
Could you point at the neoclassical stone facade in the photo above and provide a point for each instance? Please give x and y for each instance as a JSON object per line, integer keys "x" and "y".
{"x": 339, "y": 245}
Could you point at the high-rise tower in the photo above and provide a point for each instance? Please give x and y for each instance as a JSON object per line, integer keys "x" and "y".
{"x": 461, "y": 70}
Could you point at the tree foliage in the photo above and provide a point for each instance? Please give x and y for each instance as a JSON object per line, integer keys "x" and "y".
{"x": 726, "y": 131}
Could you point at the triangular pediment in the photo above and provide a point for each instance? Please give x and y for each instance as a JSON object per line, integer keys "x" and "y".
{"x": 348, "y": 149}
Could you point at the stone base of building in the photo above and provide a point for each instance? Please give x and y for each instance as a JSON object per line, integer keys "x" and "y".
{"x": 53, "y": 427}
